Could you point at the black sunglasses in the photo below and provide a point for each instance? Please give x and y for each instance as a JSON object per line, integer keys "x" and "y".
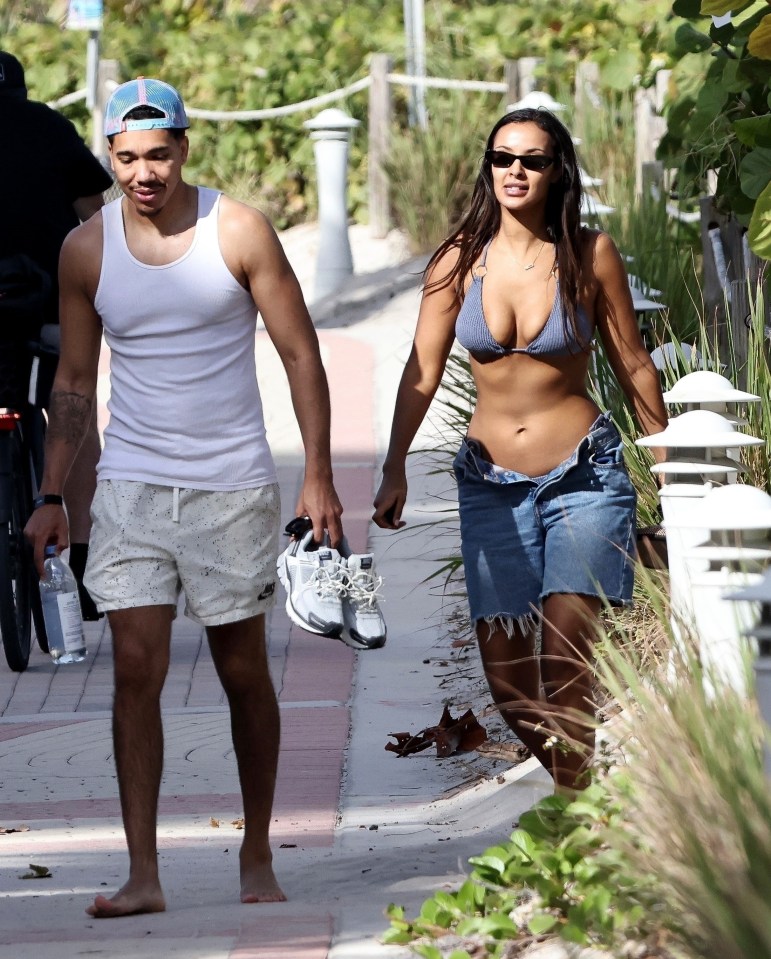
{"x": 530, "y": 161}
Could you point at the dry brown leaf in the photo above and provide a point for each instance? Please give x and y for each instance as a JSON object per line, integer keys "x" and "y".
{"x": 38, "y": 872}
{"x": 214, "y": 823}
{"x": 451, "y": 735}
{"x": 7, "y": 830}
{"x": 238, "y": 823}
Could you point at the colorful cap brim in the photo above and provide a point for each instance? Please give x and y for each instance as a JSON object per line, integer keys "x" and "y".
{"x": 144, "y": 92}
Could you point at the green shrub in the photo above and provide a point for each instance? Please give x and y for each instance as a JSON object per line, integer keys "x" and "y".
{"x": 559, "y": 874}
{"x": 670, "y": 852}
{"x": 433, "y": 171}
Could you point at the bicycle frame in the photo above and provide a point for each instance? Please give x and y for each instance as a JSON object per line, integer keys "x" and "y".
{"x": 17, "y": 574}
{"x": 22, "y": 437}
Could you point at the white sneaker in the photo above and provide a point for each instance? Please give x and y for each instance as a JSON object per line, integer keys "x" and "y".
{"x": 364, "y": 626}
{"x": 313, "y": 577}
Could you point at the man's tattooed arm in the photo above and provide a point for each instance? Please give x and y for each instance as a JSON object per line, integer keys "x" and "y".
{"x": 68, "y": 417}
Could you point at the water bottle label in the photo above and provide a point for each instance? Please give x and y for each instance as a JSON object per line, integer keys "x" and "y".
{"x": 72, "y": 624}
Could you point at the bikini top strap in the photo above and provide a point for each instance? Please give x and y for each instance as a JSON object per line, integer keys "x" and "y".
{"x": 481, "y": 268}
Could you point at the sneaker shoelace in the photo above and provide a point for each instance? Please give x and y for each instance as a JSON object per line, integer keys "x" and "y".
{"x": 327, "y": 581}
{"x": 362, "y": 587}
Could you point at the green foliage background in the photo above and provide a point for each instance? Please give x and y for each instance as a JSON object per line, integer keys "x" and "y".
{"x": 251, "y": 54}
{"x": 719, "y": 109}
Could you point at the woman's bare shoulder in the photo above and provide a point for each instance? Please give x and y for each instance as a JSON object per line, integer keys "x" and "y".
{"x": 443, "y": 261}
{"x": 598, "y": 251}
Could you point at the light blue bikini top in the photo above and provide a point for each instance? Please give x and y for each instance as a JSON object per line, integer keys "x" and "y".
{"x": 557, "y": 338}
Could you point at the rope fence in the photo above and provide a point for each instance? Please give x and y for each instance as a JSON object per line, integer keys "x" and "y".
{"x": 272, "y": 113}
{"x": 68, "y": 99}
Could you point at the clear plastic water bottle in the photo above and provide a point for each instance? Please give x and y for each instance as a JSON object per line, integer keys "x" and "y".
{"x": 61, "y": 610}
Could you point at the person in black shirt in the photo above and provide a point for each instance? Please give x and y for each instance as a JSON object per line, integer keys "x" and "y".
{"x": 51, "y": 183}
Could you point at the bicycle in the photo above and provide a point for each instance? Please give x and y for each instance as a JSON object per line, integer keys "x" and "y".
{"x": 22, "y": 438}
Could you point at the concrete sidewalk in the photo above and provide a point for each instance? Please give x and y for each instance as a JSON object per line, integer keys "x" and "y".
{"x": 355, "y": 827}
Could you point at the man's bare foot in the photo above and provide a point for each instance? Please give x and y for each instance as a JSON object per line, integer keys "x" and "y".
{"x": 258, "y": 884}
{"x": 129, "y": 901}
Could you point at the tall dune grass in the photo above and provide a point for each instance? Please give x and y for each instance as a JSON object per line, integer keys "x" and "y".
{"x": 699, "y": 806}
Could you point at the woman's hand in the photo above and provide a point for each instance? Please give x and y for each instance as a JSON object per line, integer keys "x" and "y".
{"x": 390, "y": 500}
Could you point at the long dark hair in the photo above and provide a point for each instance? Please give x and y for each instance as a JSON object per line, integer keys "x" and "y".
{"x": 482, "y": 219}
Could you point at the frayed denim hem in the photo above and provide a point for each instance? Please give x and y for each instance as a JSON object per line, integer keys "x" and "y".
{"x": 606, "y": 601}
{"x": 526, "y": 623}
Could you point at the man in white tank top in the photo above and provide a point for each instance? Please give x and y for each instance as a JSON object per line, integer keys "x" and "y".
{"x": 173, "y": 276}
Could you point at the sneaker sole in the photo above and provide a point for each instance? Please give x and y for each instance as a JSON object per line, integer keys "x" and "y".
{"x": 362, "y": 644}
{"x": 283, "y": 575}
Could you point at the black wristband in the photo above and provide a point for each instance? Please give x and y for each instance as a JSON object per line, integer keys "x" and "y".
{"x": 47, "y": 499}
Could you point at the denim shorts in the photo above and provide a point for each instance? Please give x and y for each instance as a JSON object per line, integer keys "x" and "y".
{"x": 571, "y": 530}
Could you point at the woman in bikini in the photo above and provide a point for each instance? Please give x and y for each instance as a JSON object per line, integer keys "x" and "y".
{"x": 547, "y": 509}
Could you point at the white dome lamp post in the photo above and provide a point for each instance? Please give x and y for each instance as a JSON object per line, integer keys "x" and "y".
{"x": 697, "y": 444}
{"x": 672, "y": 357}
{"x": 706, "y": 390}
{"x": 537, "y": 100}
{"x": 736, "y": 553}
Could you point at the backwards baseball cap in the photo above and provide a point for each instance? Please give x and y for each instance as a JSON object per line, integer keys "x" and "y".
{"x": 11, "y": 76}
{"x": 144, "y": 92}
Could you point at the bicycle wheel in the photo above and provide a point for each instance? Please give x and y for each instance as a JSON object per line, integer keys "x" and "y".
{"x": 16, "y": 565}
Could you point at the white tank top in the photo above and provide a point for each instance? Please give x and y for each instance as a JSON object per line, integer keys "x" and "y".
{"x": 185, "y": 408}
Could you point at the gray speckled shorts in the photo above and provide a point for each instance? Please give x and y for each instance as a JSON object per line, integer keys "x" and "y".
{"x": 150, "y": 542}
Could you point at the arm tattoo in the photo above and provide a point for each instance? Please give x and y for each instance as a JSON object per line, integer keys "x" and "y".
{"x": 68, "y": 416}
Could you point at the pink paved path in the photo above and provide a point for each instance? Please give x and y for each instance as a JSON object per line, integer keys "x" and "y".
{"x": 313, "y": 678}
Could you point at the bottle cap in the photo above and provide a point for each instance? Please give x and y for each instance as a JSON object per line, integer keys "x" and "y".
{"x": 51, "y": 550}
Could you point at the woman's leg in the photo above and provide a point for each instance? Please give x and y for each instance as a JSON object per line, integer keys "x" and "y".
{"x": 567, "y": 651}
{"x": 514, "y": 676}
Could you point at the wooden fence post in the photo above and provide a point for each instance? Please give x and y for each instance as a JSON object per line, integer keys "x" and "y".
{"x": 519, "y": 76}
{"x": 511, "y": 79}
{"x": 643, "y": 153}
{"x": 586, "y": 94}
{"x": 649, "y": 128}
{"x": 731, "y": 274}
{"x": 379, "y": 135}
{"x": 107, "y": 74}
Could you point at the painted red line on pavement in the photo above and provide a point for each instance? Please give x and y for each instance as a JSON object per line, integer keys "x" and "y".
{"x": 295, "y": 796}
{"x": 270, "y": 931}
{"x": 14, "y": 730}
{"x": 285, "y": 938}
{"x": 291, "y": 836}
{"x": 317, "y": 668}
{"x": 350, "y": 371}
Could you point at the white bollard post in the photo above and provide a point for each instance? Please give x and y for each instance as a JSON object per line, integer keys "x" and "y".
{"x": 763, "y": 683}
{"x": 334, "y": 263}
{"x": 761, "y": 634}
{"x": 736, "y": 553}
